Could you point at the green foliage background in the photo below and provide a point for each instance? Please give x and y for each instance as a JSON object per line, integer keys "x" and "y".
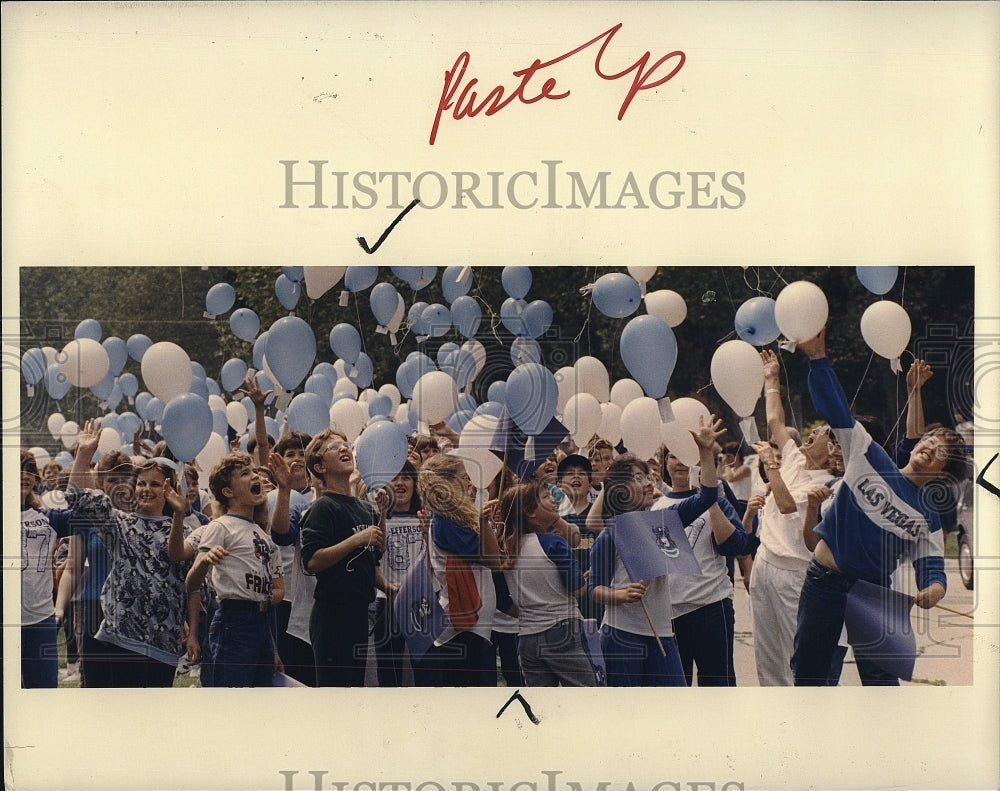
{"x": 167, "y": 304}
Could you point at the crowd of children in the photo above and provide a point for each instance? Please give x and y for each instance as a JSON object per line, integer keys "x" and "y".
{"x": 280, "y": 566}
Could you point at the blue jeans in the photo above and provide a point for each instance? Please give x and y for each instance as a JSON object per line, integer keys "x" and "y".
{"x": 634, "y": 660}
{"x": 39, "y": 655}
{"x": 820, "y": 621}
{"x": 705, "y": 639}
{"x": 242, "y": 648}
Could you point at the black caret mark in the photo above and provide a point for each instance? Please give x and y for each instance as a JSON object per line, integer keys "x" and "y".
{"x": 981, "y": 481}
{"x": 387, "y": 231}
{"x": 527, "y": 708}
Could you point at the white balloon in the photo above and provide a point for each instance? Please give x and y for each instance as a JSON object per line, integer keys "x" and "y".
{"x": 667, "y": 305}
{"x": 478, "y": 352}
{"x": 394, "y": 395}
{"x": 566, "y": 382}
{"x": 435, "y": 396}
{"x": 592, "y": 377}
{"x": 611, "y": 423}
{"x": 51, "y": 355}
{"x": 625, "y": 391}
{"x": 55, "y": 424}
{"x": 397, "y": 317}
{"x": 110, "y": 440}
{"x": 215, "y": 401}
{"x": 478, "y": 432}
{"x": 237, "y": 416}
{"x": 213, "y": 452}
{"x": 320, "y": 279}
{"x": 676, "y": 434}
{"x": 481, "y": 464}
{"x": 885, "y": 326}
{"x": 801, "y": 310}
{"x": 738, "y": 376}
{"x": 42, "y": 457}
{"x": 68, "y": 433}
{"x": 84, "y": 362}
{"x": 366, "y": 395}
{"x": 582, "y": 417}
{"x": 345, "y": 385}
{"x": 166, "y": 370}
{"x": 640, "y": 423}
{"x": 640, "y": 274}
{"x": 402, "y": 414}
{"x": 348, "y": 416}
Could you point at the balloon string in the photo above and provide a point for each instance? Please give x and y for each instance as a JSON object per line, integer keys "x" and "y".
{"x": 180, "y": 271}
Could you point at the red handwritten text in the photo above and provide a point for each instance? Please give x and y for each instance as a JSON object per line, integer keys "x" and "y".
{"x": 468, "y": 105}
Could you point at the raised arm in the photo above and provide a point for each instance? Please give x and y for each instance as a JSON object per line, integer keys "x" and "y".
{"x": 916, "y": 377}
{"x": 775, "y": 409}
{"x": 80, "y": 474}
{"x": 257, "y": 396}
{"x": 827, "y": 395}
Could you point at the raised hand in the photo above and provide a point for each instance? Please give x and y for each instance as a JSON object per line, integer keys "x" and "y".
{"x": 177, "y": 501}
{"x": 918, "y": 374}
{"x": 706, "y": 435}
{"x": 89, "y": 438}
{"x": 772, "y": 369}
{"x": 251, "y": 388}
{"x": 281, "y": 470}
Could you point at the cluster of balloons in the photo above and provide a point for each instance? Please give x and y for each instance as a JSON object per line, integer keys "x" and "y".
{"x": 190, "y": 410}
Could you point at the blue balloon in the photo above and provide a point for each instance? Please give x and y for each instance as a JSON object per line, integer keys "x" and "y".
{"x": 129, "y": 384}
{"x": 524, "y": 350}
{"x": 137, "y": 345}
{"x": 492, "y": 408}
{"x": 877, "y": 279}
{"x": 112, "y": 421}
{"x": 327, "y": 370}
{"x": 384, "y": 300}
{"x": 245, "y": 324}
{"x": 406, "y": 273}
{"x": 220, "y": 298}
{"x": 198, "y": 370}
{"x": 56, "y": 383}
{"x": 294, "y": 273}
{"x": 154, "y": 408}
{"x": 450, "y": 286}
{"x": 380, "y": 405}
{"x": 516, "y": 281}
{"x": 511, "y": 314}
{"x": 321, "y": 386}
{"x": 272, "y": 427}
{"x": 103, "y": 388}
{"x": 117, "y": 354}
{"x": 88, "y": 328}
{"x": 461, "y": 366}
{"x": 220, "y": 423}
{"x": 358, "y": 278}
{"x": 259, "y": 347}
{"x": 466, "y": 315}
{"x": 128, "y": 424}
{"x": 234, "y": 372}
{"x": 345, "y": 341}
{"x": 112, "y": 401}
{"x": 362, "y": 371}
{"x": 649, "y": 351}
{"x": 415, "y": 318}
{"x": 291, "y": 350}
{"x": 287, "y": 292}
{"x": 33, "y": 365}
{"x": 380, "y": 453}
{"x": 406, "y": 377}
{"x": 532, "y": 396}
{"x": 437, "y": 319}
{"x": 186, "y": 425}
{"x": 459, "y": 418}
{"x": 537, "y": 318}
{"x": 444, "y": 350}
{"x": 199, "y": 387}
{"x": 466, "y": 403}
{"x": 308, "y": 412}
{"x": 264, "y": 383}
{"x": 497, "y": 391}
{"x": 755, "y": 321}
{"x": 617, "y": 295}
{"x": 142, "y": 403}
{"x": 247, "y": 405}
{"x": 213, "y": 387}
